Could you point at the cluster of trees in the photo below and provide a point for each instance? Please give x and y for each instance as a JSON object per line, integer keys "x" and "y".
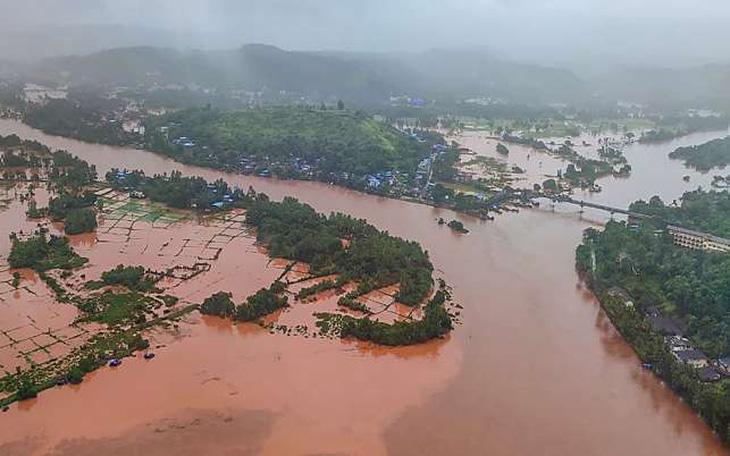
{"x": 261, "y": 303}
{"x": 704, "y": 157}
{"x": 330, "y": 141}
{"x": 72, "y": 204}
{"x": 295, "y": 231}
{"x": 220, "y": 304}
{"x": 612, "y": 155}
{"x": 176, "y": 190}
{"x": 117, "y": 309}
{"x": 454, "y": 225}
{"x": 133, "y": 277}
{"x": 15, "y": 142}
{"x": 42, "y": 252}
{"x": 75, "y": 210}
{"x": 85, "y": 116}
{"x": 586, "y": 171}
{"x": 699, "y": 210}
{"x": 693, "y": 287}
{"x": 672, "y": 127}
{"x": 436, "y": 323}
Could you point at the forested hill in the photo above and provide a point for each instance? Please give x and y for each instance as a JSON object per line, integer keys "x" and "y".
{"x": 350, "y": 76}
{"x": 307, "y": 139}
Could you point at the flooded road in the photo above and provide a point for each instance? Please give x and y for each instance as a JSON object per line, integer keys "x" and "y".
{"x": 536, "y": 368}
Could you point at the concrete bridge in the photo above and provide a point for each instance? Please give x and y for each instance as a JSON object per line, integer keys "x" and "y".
{"x": 602, "y": 207}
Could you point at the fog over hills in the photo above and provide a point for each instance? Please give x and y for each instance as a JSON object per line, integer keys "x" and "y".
{"x": 354, "y": 76}
{"x": 522, "y": 50}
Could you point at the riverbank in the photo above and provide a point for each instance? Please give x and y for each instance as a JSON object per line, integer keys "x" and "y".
{"x": 517, "y": 278}
{"x": 665, "y": 300}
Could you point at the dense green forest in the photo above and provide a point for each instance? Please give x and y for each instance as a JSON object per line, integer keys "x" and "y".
{"x": 704, "y": 157}
{"x": 691, "y": 287}
{"x": 698, "y": 210}
{"x": 328, "y": 140}
{"x": 295, "y": 231}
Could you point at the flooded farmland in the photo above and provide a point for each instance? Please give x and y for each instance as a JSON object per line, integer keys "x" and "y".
{"x": 536, "y": 367}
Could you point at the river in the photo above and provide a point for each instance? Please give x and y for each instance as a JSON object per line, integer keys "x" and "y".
{"x": 536, "y": 368}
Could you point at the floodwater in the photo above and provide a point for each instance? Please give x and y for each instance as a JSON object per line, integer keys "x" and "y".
{"x": 535, "y": 369}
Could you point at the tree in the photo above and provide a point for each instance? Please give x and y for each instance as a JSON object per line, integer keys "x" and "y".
{"x": 219, "y": 304}
{"x": 340, "y": 105}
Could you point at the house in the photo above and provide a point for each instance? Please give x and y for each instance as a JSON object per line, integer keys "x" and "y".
{"x": 697, "y": 240}
{"x": 692, "y": 357}
{"x": 662, "y": 324}
{"x": 708, "y": 374}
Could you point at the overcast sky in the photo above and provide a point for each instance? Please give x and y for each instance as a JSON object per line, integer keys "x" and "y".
{"x": 664, "y": 32}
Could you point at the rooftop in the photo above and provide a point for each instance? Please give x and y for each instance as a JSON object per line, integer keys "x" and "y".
{"x": 707, "y": 236}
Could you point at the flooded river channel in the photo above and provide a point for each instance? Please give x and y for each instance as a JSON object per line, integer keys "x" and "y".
{"x": 535, "y": 369}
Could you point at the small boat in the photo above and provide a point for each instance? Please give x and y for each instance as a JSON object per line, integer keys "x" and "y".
{"x": 149, "y": 355}
{"x": 114, "y": 362}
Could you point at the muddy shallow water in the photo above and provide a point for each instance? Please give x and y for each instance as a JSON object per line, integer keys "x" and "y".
{"x": 536, "y": 368}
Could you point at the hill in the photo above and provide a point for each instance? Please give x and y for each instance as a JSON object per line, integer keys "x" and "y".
{"x": 282, "y": 140}
{"x": 350, "y": 76}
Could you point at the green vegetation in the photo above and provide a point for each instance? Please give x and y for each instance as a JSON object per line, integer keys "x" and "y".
{"x": 704, "y": 157}
{"x": 690, "y": 287}
{"x": 176, "y": 190}
{"x": 586, "y": 171}
{"x": 34, "y": 212}
{"x": 219, "y": 304}
{"x": 82, "y": 116}
{"x": 80, "y": 221}
{"x": 353, "y": 304}
{"x": 699, "y": 210}
{"x": 263, "y": 302}
{"x": 457, "y": 226}
{"x": 117, "y": 309}
{"x": 135, "y": 278}
{"x": 321, "y": 286}
{"x": 436, "y": 323}
{"x": 42, "y": 252}
{"x": 282, "y": 140}
{"x": 295, "y": 231}
{"x": 68, "y": 176}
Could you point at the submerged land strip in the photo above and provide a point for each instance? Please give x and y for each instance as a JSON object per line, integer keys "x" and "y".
{"x": 351, "y": 279}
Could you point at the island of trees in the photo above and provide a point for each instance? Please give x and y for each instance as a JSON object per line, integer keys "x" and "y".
{"x": 704, "y": 157}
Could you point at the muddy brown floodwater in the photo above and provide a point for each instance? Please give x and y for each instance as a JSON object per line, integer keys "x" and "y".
{"x": 536, "y": 368}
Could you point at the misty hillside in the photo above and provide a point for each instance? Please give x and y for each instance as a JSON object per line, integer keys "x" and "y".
{"x": 352, "y": 76}
{"x": 701, "y": 86}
